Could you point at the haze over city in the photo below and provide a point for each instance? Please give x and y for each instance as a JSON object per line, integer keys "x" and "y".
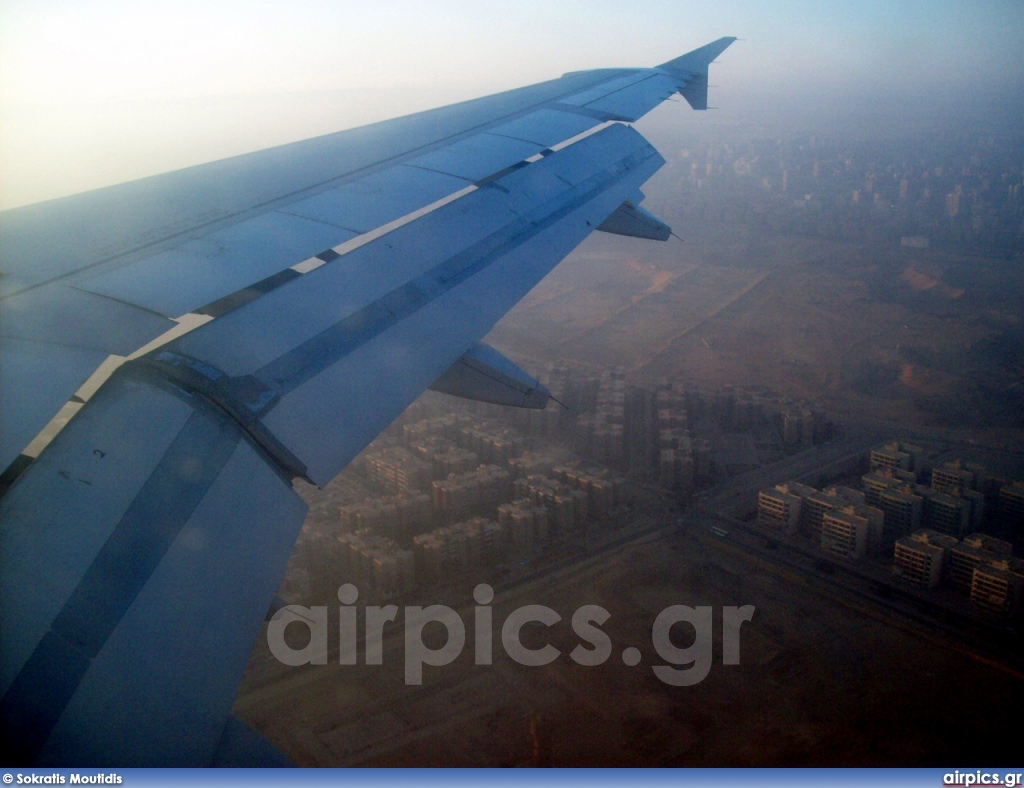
{"x": 807, "y": 403}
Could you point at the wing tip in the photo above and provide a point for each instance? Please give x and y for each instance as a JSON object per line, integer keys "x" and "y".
{"x": 698, "y": 60}
{"x": 691, "y": 71}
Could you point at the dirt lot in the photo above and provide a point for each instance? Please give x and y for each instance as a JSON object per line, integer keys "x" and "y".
{"x": 869, "y": 330}
{"x": 822, "y": 681}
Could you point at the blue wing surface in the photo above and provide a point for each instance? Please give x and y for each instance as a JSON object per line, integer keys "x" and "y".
{"x": 141, "y": 549}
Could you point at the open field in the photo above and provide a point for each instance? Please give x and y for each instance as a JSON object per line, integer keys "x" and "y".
{"x": 823, "y": 680}
{"x": 867, "y": 330}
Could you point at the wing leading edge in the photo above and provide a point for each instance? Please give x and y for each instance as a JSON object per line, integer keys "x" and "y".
{"x": 139, "y": 552}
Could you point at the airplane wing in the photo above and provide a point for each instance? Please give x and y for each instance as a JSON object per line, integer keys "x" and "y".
{"x": 345, "y": 275}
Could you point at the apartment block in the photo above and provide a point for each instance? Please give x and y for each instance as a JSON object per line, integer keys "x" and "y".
{"x": 947, "y": 514}
{"x": 397, "y": 470}
{"x": 813, "y": 510}
{"x": 951, "y": 477}
{"x": 896, "y": 456}
{"x": 469, "y": 494}
{"x": 778, "y": 509}
{"x": 396, "y": 516}
{"x": 844, "y": 534}
{"x": 377, "y": 564}
{"x": 525, "y": 523}
{"x": 568, "y": 508}
{"x": 1011, "y": 504}
{"x": 990, "y": 544}
{"x": 918, "y": 562}
{"x": 974, "y": 551}
{"x": 996, "y": 588}
{"x": 902, "y": 512}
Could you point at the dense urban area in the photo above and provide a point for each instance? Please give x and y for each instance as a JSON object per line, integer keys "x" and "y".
{"x": 485, "y": 486}
{"x": 957, "y": 191}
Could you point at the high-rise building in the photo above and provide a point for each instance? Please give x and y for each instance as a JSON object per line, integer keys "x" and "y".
{"x": 896, "y": 455}
{"x": 812, "y": 512}
{"x": 396, "y": 516}
{"x": 977, "y": 502}
{"x": 393, "y": 573}
{"x": 568, "y": 508}
{"x": 947, "y": 514}
{"x": 990, "y": 544}
{"x": 675, "y": 467}
{"x": 844, "y": 534}
{"x": 951, "y": 477}
{"x": 953, "y": 203}
{"x": 1011, "y": 504}
{"x": 475, "y": 493}
{"x": 397, "y": 470}
{"x": 798, "y": 427}
{"x": 377, "y": 564}
{"x": 944, "y": 541}
{"x": 974, "y": 551}
{"x": 918, "y": 562}
{"x": 778, "y": 509}
{"x": 800, "y": 491}
{"x": 847, "y": 494}
{"x": 902, "y": 512}
{"x": 877, "y": 482}
{"x": 599, "y": 485}
{"x": 996, "y": 588}
{"x": 525, "y": 524}
{"x": 855, "y": 502}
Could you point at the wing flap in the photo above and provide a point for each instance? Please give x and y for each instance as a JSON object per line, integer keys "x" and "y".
{"x": 485, "y": 375}
{"x": 57, "y": 516}
{"x": 51, "y": 340}
{"x": 166, "y": 582}
{"x": 635, "y": 222}
{"x": 296, "y": 313}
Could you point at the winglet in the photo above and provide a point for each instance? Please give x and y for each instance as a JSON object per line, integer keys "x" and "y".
{"x": 692, "y": 68}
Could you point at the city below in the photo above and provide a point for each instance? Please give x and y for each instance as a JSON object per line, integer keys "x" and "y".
{"x": 534, "y": 503}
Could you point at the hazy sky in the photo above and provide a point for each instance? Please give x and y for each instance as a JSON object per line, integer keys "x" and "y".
{"x": 93, "y": 93}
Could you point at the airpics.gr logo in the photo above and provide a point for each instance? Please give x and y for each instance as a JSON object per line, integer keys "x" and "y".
{"x": 585, "y": 621}
{"x": 978, "y": 777}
